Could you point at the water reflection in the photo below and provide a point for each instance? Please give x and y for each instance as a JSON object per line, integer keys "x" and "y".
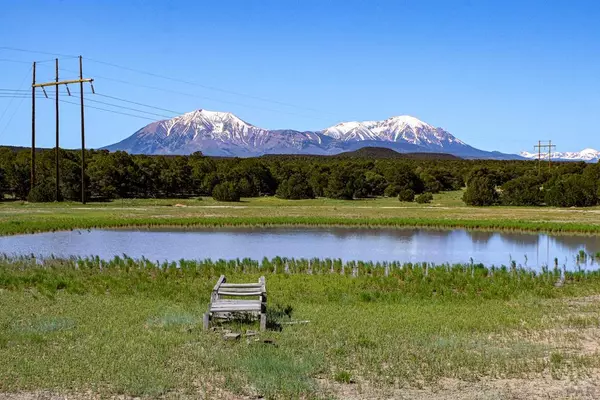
{"x": 405, "y": 245}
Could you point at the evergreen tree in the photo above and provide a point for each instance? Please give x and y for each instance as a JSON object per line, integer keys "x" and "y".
{"x": 481, "y": 191}
{"x": 295, "y": 187}
{"x": 226, "y": 191}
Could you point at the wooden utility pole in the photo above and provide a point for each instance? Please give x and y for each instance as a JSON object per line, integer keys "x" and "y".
{"x": 32, "y": 170}
{"x": 539, "y": 154}
{"x": 541, "y": 146}
{"x": 82, "y": 131}
{"x": 56, "y": 155}
{"x": 56, "y": 84}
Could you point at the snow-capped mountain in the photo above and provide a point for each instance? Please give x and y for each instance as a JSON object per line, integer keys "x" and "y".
{"x": 396, "y": 129}
{"x": 214, "y": 133}
{"x": 224, "y": 134}
{"x": 589, "y": 155}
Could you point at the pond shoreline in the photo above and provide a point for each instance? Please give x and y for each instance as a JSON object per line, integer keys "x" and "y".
{"x": 9, "y": 228}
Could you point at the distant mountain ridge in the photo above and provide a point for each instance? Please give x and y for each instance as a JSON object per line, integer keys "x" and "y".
{"x": 589, "y": 155}
{"x": 224, "y": 134}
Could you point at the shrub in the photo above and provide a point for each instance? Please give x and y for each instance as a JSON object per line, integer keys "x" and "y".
{"x": 481, "y": 191}
{"x": 483, "y": 172}
{"x": 295, "y": 187}
{"x": 375, "y": 182}
{"x": 392, "y": 190}
{"x": 523, "y": 191}
{"x": 245, "y": 188}
{"x": 571, "y": 191}
{"x": 226, "y": 191}
{"x": 3, "y": 184}
{"x": 45, "y": 192}
{"x": 430, "y": 183}
{"x": 403, "y": 176}
{"x": 340, "y": 185}
{"x": 406, "y": 195}
{"x": 424, "y": 198}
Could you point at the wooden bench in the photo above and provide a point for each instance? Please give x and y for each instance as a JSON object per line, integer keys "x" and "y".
{"x": 223, "y": 300}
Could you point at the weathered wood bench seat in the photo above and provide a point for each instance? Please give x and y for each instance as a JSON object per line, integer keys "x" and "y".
{"x": 221, "y": 301}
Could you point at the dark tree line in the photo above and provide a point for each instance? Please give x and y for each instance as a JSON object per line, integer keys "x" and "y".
{"x": 121, "y": 175}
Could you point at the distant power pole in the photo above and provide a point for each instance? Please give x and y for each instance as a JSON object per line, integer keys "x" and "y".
{"x": 56, "y": 84}
{"x": 56, "y": 155}
{"x": 32, "y": 179}
{"x": 550, "y": 147}
{"x": 82, "y": 131}
{"x": 546, "y": 145}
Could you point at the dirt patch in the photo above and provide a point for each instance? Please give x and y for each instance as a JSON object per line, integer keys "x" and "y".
{"x": 43, "y": 395}
{"x": 214, "y": 393}
{"x": 583, "y": 301}
{"x": 498, "y": 389}
{"x": 237, "y": 207}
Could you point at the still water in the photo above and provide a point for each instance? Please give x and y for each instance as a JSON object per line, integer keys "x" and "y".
{"x": 405, "y": 245}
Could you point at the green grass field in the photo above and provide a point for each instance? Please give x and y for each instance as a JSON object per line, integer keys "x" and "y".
{"x": 133, "y": 328}
{"x": 447, "y": 210}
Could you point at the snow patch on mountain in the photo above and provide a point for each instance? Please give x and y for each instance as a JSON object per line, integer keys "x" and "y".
{"x": 590, "y": 155}
{"x": 403, "y": 128}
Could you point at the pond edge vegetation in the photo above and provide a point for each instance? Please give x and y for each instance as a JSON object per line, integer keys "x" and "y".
{"x": 16, "y": 226}
{"x": 375, "y": 280}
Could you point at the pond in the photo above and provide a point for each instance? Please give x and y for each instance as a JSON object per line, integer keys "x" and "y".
{"x": 530, "y": 250}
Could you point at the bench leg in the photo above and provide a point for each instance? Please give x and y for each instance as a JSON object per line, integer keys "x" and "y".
{"x": 263, "y": 321}
{"x": 205, "y": 320}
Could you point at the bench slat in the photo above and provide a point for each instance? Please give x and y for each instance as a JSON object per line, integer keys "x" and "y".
{"x": 219, "y": 282}
{"x": 240, "y": 285}
{"x": 233, "y": 307}
{"x": 223, "y": 293}
{"x": 236, "y": 302}
{"x": 241, "y": 290}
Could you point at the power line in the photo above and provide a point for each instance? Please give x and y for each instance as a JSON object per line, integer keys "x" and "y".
{"x": 99, "y": 108}
{"x": 139, "y": 104}
{"x": 10, "y": 103}
{"x": 196, "y": 96}
{"x": 201, "y": 85}
{"x": 132, "y": 109}
{"x": 25, "y": 93}
{"x": 110, "y": 111}
{"x": 14, "y": 61}
{"x": 37, "y": 52}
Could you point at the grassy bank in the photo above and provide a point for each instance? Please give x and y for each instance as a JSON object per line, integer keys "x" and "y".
{"x": 446, "y": 211}
{"x": 134, "y": 328}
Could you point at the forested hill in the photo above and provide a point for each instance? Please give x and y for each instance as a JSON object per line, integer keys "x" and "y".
{"x": 371, "y": 153}
{"x": 382, "y": 152}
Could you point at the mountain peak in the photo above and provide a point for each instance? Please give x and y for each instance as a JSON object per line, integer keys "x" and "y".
{"x": 207, "y": 117}
{"x": 410, "y": 121}
{"x": 401, "y": 128}
{"x": 206, "y": 114}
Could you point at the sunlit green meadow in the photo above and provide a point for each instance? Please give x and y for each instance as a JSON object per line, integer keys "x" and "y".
{"x": 135, "y": 328}
{"x": 447, "y": 210}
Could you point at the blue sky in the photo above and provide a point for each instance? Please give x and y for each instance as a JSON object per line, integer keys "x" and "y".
{"x": 497, "y": 74}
